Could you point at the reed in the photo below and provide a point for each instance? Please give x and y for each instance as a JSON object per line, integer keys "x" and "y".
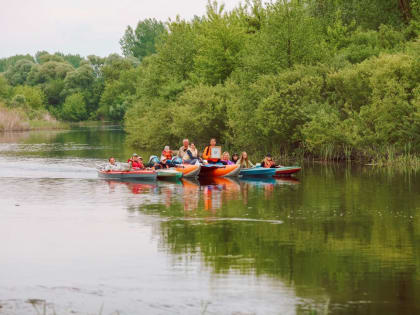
{"x": 12, "y": 120}
{"x": 16, "y": 120}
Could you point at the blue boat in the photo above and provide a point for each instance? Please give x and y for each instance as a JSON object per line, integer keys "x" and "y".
{"x": 257, "y": 172}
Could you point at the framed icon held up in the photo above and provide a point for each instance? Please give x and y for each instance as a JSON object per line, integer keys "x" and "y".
{"x": 216, "y": 152}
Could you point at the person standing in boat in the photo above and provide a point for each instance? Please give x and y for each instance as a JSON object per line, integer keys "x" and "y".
{"x": 207, "y": 152}
{"x": 136, "y": 162}
{"x": 244, "y": 162}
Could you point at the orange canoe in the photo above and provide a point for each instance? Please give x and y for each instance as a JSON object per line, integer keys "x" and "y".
{"x": 189, "y": 170}
{"x": 216, "y": 170}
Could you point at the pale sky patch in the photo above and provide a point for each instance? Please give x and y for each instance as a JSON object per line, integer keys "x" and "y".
{"x": 83, "y": 27}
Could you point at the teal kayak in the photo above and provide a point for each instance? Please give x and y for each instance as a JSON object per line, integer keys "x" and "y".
{"x": 257, "y": 172}
{"x": 168, "y": 174}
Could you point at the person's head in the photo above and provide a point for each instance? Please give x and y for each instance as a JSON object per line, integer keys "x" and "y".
{"x": 135, "y": 157}
{"x": 244, "y": 156}
{"x": 186, "y": 142}
{"x": 140, "y": 158}
{"x": 111, "y": 160}
{"x": 213, "y": 142}
{"x": 226, "y": 156}
{"x": 268, "y": 158}
{"x": 192, "y": 145}
{"x": 166, "y": 148}
{"x": 235, "y": 157}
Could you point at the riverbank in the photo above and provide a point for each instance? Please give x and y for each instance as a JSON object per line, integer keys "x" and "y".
{"x": 17, "y": 120}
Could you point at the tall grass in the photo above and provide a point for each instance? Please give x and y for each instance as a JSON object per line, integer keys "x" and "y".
{"x": 16, "y": 120}
{"x": 11, "y": 119}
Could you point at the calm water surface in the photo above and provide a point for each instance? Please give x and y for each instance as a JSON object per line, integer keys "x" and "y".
{"x": 333, "y": 240}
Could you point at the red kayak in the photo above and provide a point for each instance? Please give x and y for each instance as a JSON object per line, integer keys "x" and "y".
{"x": 133, "y": 174}
{"x": 287, "y": 170}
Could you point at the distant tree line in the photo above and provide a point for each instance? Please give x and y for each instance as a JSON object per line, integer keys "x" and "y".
{"x": 327, "y": 78}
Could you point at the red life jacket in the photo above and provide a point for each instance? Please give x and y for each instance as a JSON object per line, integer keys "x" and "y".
{"x": 136, "y": 164}
{"x": 167, "y": 154}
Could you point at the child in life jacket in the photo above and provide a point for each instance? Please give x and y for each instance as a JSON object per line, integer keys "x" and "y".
{"x": 166, "y": 154}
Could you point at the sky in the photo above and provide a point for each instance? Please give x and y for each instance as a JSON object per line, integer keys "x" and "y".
{"x": 83, "y": 27}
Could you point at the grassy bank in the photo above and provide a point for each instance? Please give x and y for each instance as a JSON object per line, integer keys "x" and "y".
{"x": 17, "y": 120}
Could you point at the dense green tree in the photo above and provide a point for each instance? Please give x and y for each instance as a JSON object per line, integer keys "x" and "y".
{"x": 74, "y": 108}
{"x": 74, "y": 60}
{"x": 34, "y": 97}
{"x": 50, "y": 70}
{"x": 5, "y": 63}
{"x": 118, "y": 95}
{"x": 219, "y": 42}
{"x": 141, "y": 42}
{"x": 200, "y": 113}
{"x": 18, "y": 73}
{"x": 5, "y": 88}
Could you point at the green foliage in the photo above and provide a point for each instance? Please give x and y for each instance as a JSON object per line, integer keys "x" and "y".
{"x": 5, "y": 88}
{"x": 141, "y": 42}
{"x": 33, "y": 97}
{"x": 323, "y": 77}
{"x": 18, "y": 73}
{"x": 47, "y": 71}
{"x": 117, "y": 95}
{"x": 200, "y": 113}
{"x": 74, "y": 108}
{"x": 219, "y": 41}
{"x": 5, "y": 63}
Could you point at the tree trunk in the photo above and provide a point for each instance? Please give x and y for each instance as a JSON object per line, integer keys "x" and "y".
{"x": 405, "y": 9}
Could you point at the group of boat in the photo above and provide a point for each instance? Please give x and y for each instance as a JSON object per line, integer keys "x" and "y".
{"x": 200, "y": 170}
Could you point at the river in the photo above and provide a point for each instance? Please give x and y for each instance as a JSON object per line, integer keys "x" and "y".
{"x": 335, "y": 239}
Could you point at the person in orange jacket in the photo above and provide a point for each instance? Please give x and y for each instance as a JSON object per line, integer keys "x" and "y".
{"x": 207, "y": 152}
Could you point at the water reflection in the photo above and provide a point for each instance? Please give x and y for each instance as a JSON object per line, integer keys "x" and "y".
{"x": 327, "y": 233}
{"x": 340, "y": 239}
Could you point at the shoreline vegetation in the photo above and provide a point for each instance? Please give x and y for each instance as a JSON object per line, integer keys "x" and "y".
{"x": 17, "y": 120}
{"x": 300, "y": 79}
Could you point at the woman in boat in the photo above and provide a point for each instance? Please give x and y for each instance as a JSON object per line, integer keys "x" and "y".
{"x": 207, "y": 152}
{"x": 268, "y": 162}
{"x": 136, "y": 162}
{"x": 226, "y": 159}
{"x": 244, "y": 162}
{"x": 235, "y": 158}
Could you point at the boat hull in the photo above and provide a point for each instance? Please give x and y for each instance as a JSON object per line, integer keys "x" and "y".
{"x": 168, "y": 174}
{"x": 215, "y": 170}
{"x": 189, "y": 170}
{"x": 139, "y": 175}
{"x": 257, "y": 172}
{"x": 287, "y": 170}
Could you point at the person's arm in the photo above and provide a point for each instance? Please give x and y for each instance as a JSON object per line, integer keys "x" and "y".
{"x": 194, "y": 153}
{"x": 250, "y": 163}
{"x": 190, "y": 155}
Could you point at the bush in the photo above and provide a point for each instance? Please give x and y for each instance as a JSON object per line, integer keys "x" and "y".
{"x": 74, "y": 108}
